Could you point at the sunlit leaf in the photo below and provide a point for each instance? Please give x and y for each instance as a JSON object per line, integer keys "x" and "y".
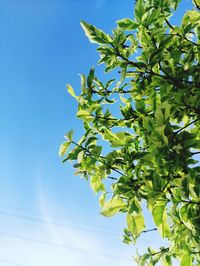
{"x": 64, "y": 148}
{"x": 127, "y": 24}
{"x": 95, "y": 35}
{"x": 113, "y": 206}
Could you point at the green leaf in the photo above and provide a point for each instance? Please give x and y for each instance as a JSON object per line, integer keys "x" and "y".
{"x": 186, "y": 260}
{"x": 161, "y": 134}
{"x": 73, "y": 155}
{"x": 83, "y": 83}
{"x": 102, "y": 199}
{"x": 96, "y": 183}
{"x": 64, "y": 148}
{"x": 71, "y": 91}
{"x": 96, "y": 151}
{"x": 184, "y": 213}
{"x": 95, "y": 35}
{"x": 191, "y": 17}
{"x": 69, "y": 135}
{"x": 148, "y": 123}
{"x": 139, "y": 10}
{"x": 160, "y": 217}
{"x": 166, "y": 260}
{"x": 140, "y": 105}
{"x": 117, "y": 139}
{"x": 159, "y": 116}
{"x": 127, "y": 24}
{"x": 158, "y": 212}
{"x": 85, "y": 115}
{"x": 113, "y": 206}
{"x": 90, "y": 77}
{"x": 157, "y": 182}
{"x": 135, "y": 223}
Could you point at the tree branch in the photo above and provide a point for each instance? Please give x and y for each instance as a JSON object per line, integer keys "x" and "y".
{"x": 113, "y": 178}
{"x": 194, "y": 153}
{"x": 197, "y": 5}
{"x": 178, "y": 131}
{"x": 149, "y": 230}
{"x": 162, "y": 250}
{"x": 117, "y": 171}
{"x": 184, "y": 37}
{"x": 169, "y": 24}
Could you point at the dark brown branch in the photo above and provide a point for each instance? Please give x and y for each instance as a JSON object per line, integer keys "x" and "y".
{"x": 113, "y": 178}
{"x": 149, "y": 230}
{"x": 117, "y": 171}
{"x": 115, "y": 119}
{"x": 194, "y": 153}
{"x": 197, "y": 5}
{"x": 184, "y": 37}
{"x": 103, "y": 157}
{"x": 161, "y": 251}
{"x": 85, "y": 149}
{"x": 178, "y": 131}
{"x": 169, "y": 24}
{"x": 166, "y": 77}
{"x": 124, "y": 58}
{"x": 173, "y": 79}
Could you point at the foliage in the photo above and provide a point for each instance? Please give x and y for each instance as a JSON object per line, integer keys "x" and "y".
{"x": 154, "y": 135}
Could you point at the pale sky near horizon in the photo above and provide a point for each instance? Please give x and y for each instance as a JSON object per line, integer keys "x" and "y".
{"x": 48, "y": 216}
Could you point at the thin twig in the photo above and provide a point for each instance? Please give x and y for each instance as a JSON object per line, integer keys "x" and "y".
{"x": 194, "y": 121}
{"x": 169, "y": 24}
{"x": 113, "y": 178}
{"x": 149, "y": 230}
{"x": 117, "y": 171}
{"x": 161, "y": 251}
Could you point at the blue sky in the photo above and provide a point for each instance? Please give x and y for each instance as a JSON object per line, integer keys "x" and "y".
{"x": 47, "y": 215}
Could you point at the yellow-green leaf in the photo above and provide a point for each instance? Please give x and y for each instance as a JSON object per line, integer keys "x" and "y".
{"x": 135, "y": 223}
{"x": 95, "y": 35}
{"x": 158, "y": 211}
{"x": 186, "y": 260}
{"x": 127, "y": 24}
{"x": 160, "y": 217}
{"x": 64, "y": 147}
{"x": 192, "y": 16}
{"x": 71, "y": 91}
{"x": 85, "y": 115}
{"x": 113, "y": 206}
{"x": 96, "y": 183}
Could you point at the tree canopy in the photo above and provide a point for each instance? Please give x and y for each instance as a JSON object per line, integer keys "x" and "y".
{"x": 142, "y": 128}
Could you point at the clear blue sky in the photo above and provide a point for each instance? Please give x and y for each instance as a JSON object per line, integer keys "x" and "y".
{"x": 42, "y": 47}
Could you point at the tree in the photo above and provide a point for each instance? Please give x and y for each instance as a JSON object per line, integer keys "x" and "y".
{"x": 154, "y": 136}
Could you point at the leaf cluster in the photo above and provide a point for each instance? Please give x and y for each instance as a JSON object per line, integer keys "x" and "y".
{"x": 155, "y": 136}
